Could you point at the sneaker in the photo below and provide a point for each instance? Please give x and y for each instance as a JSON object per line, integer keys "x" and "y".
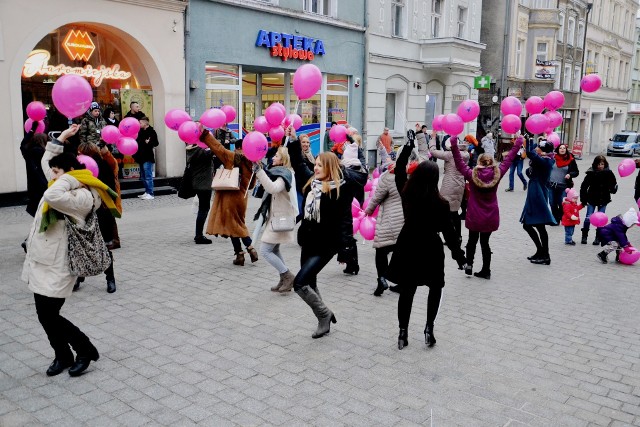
{"x": 602, "y": 257}
{"x": 141, "y": 196}
{"x": 508, "y": 190}
{"x": 571, "y": 243}
{"x": 201, "y": 240}
{"x": 147, "y": 197}
{"x": 468, "y": 269}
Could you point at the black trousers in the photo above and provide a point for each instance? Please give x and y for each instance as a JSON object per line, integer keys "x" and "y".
{"x": 311, "y": 264}
{"x": 204, "y": 204}
{"x": 405, "y": 303}
{"x": 484, "y": 247}
{"x": 60, "y": 331}
{"x": 382, "y": 259}
{"x": 237, "y": 246}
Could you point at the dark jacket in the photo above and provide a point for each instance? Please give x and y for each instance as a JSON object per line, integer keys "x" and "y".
{"x": 615, "y": 231}
{"x": 597, "y": 187}
{"x": 423, "y": 220}
{"x": 90, "y": 128}
{"x": 36, "y": 181}
{"x": 636, "y": 194}
{"x": 536, "y": 209}
{"x": 560, "y": 172}
{"x": 145, "y": 149}
{"x": 137, "y": 115}
{"x": 200, "y": 162}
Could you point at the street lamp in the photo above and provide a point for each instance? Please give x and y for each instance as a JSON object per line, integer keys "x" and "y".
{"x": 582, "y": 66}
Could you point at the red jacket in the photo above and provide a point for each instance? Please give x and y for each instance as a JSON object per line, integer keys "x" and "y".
{"x": 571, "y": 209}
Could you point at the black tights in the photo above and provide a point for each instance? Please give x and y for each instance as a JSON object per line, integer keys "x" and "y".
{"x": 237, "y": 246}
{"x": 405, "y": 302}
{"x": 204, "y": 203}
{"x": 538, "y": 234}
{"x": 382, "y": 259}
{"x": 311, "y": 264}
{"x": 484, "y": 247}
{"x": 457, "y": 224}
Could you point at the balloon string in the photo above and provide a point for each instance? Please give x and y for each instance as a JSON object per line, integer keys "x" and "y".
{"x": 295, "y": 111}
{"x": 69, "y": 121}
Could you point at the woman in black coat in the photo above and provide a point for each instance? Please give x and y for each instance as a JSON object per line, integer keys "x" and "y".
{"x": 595, "y": 192}
{"x": 200, "y": 162}
{"x": 426, "y": 214}
{"x": 326, "y": 228}
{"x": 32, "y": 148}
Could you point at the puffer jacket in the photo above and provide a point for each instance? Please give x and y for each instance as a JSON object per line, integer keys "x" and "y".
{"x": 423, "y": 144}
{"x": 598, "y": 186}
{"x": 91, "y": 128}
{"x": 452, "y": 187}
{"x": 391, "y": 217}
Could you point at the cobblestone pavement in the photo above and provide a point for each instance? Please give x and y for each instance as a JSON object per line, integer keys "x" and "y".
{"x": 189, "y": 338}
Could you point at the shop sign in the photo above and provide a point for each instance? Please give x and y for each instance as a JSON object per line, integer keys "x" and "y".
{"x": 545, "y": 70}
{"x": 288, "y": 46}
{"x": 38, "y": 63}
{"x": 78, "y": 45}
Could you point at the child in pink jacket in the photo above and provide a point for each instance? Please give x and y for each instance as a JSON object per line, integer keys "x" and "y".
{"x": 571, "y": 215}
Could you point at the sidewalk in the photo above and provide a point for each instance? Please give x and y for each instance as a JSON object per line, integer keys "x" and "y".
{"x": 188, "y": 338}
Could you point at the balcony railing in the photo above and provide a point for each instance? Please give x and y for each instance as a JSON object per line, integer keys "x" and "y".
{"x": 451, "y": 52}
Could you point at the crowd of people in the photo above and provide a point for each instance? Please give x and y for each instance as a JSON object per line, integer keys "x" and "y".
{"x": 317, "y": 192}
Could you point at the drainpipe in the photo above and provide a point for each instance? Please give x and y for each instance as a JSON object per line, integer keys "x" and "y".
{"x": 505, "y": 49}
{"x": 582, "y": 66}
{"x": 365, "y": 84}
{"x": 187, "y": 26}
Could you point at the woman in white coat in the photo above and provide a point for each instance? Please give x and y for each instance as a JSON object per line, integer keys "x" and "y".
{"x": 46, "y": 266}
{"x": 280, "y": 208}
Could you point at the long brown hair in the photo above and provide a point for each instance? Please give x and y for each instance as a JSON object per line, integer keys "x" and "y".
{"x": 331, "y": 166}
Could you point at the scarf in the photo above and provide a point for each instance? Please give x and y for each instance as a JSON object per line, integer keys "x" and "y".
{"x": 108, "y": 196}
{"x": 273, "y": 174}
{"x": 312, "y": 203}
{"x": 563, "y": 161}
{"x": 309, "y": 156}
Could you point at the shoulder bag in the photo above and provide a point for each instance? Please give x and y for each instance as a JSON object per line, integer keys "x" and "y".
{"x": 186, "y": 190}
{"x": 88, "y": 254}
{"x": 282, "y": 222}
{"x": 226, "y": 179}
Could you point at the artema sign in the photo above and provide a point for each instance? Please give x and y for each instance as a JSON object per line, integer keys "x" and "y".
{"x": 287, "y": 46}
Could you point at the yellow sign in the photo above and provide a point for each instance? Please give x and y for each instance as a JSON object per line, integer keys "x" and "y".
{"x": 78, "y": 45}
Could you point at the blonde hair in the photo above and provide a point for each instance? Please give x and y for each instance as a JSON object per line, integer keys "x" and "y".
{"x": 485, "y": 160}
{"x": 283, "y": 152}
{"x": 305, "y": 136}
{"x": 331, "y": 165}
{"x": 357, "y": 138}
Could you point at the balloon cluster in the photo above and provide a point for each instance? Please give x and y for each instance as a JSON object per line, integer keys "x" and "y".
{"x": 124, "y": 136}
{"x": 36, "y": 112}
{"x": 275, "y": 120}
{"x": 362, "y": 223}
{"x": 626, "y": 167}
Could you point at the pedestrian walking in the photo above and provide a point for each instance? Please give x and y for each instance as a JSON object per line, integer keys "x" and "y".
{"x": 596, "y": 190}
{"x": 200, "y": 163}
{"x": 516, "y": 167}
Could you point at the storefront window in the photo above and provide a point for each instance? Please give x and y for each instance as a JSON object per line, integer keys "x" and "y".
{"x": 249, "y": 84}
{"x": 218, "y": 98}
{"x": 221, "y": 74}
{"x": 223, "y": 87}
{"x": 337, "y": 108}
{"x": 337, "y": 83}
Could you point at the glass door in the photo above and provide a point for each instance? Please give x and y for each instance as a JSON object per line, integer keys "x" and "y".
{"x": 250, "y": 110}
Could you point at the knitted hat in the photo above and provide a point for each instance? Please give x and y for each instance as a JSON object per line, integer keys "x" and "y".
{"x": 545, "y": 146}
{"x": 571, "y": 193}
{"x": 94, "y": 106}
{"x": 630, "y": 218}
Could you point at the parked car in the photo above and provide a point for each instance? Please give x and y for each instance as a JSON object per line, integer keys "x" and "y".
{"x": 624, "y": 143}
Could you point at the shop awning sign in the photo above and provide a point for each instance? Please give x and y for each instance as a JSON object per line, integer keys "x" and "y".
{"x": 78, "y": 45}
{"x": 288, "y": 46}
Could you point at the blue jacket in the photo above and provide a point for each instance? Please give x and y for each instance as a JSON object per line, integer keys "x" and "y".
{"x": 615, "y": 231}
{"x": 536, "y": 207}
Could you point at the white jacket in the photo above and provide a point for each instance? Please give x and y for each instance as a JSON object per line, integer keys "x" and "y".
{"x": 282, "y": 202}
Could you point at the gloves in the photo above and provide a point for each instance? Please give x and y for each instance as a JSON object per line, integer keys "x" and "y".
{"x": 256, "y": 166}
{"x": 629, "y": 249}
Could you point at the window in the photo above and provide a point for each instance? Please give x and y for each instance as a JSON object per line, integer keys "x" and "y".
{"x": 337, "y": 97}
{"x": 561, "y": 30}
{"x": 576, "y": 78}
{"x": 621, "y": 81}
{"x": 542, "y": 51}
{"x": 321, "y": 7}
{"x": 608, "y": 72}
{"x": 222, "y": 86}
{"x": 436, "y": 14}
{"x": 397, "y": 17}
{"x": 580, "y": 41}
{"x": 462, "y": 19}
{"x": 430, "y": 107}
{"x": 566, "y": 85}
{"x": 544, "y": 4}
{"x": 390, "y": 111}
{"x": 518, "y": 64}
{"x": 571, "y": 30}
{"x": 636, "y": 64}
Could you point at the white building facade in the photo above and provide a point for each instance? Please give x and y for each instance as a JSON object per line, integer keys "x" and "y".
{"x": 633, "y": 114}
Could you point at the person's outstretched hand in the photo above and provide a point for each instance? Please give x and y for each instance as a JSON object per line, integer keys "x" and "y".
{"x": 72, "y": 130}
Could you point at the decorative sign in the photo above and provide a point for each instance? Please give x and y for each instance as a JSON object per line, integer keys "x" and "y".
{"x": 78, "y": 45}
{"x": 38, "y": 63}
{"x": 545, "y": 70}
{"x": 576, "y": 150}
{"x": 288, "y": 46}
{"x": 482, "y": 82}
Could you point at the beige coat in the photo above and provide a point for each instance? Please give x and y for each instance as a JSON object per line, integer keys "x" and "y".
{"x": 282, "y": 202}
{"x": 391, "y": 218}
{"x": 452, "y": 187}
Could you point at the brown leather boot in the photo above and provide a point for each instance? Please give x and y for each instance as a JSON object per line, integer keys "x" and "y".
{"x": 239, "y": 259}
{"x": 287, "y": 282}
{"x": 252, "y": 253}
{"x": 276, "y": 288}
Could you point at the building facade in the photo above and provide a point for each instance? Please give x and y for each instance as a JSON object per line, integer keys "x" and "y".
{"x": 128, "y": 50}
{"x": 244, "y": 53}
{"x": 422, "y": 57}
{"x": 633, "y": 114}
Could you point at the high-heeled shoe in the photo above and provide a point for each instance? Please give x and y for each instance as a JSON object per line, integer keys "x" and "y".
{"x": 253, "y": 254}
{"x": 403, "y": 339}
{"x": 429, "y": 338}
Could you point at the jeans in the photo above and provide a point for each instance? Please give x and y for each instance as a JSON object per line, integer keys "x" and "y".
{"x": 484, "y": 247}
{"x": 516, "y": 166}
{"x": 146, "y": 176}
{"x": 568, "y": 233}
{"x": 556, "y": 196}
{"x": 204, "y": 203}
{"x": 60, "y": 331}
{"x": 237, "y": 247}
{"x": 272, "y": 254}
{"x": 405, "y": 303}
{"x": 591, "y": 209}
{"x": 382, "y": 259}
{"x": 311, "y": 264}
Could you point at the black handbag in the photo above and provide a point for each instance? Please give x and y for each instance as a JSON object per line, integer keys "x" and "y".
{"x": 186, "y": 190}
{"x": 88, "y": 254}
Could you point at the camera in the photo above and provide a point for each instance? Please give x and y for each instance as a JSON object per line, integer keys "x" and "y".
{"x": 356, "y": 82}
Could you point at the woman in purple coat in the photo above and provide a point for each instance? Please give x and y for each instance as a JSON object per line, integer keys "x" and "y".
{"x": 483, "y": 214}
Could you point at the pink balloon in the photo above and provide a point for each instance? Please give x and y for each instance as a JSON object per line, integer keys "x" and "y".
{"x": 376, "y": 173}
{"x": 365, "y": 204}
{"x": 213, "y": 118}
{"x": 554, "y": 138}
{"x": 626, "y": 167}
{"x": 127, "y": 146}
{"x": 452, "y": 124}
{"x": 36, "y": 111}
{"x": 255, "y": 146}
{"x": 338, "y": 134}
{"x": 72, "y": 95}
{"x": 590, "y": 83}
{"x": 468, "y": 110}
{"x": 355, "y": 208}
{"x": 129, "y": 126}
{"x": 537, "y": 123}
{"x": 534, "y": 105}
{"x": 174, "y": 118}
{"x": 631, "y": 258}
{"x": 555, "y": 118}
{"x": 189, "y": 132}
{"x": 368, "y": 185}
{"x": 229, "y": 112}
{"x": 261, "y": 124}
{"x": 307, "y": 81}
{"x": 28, "y": 124}
{"x": 356, "y": 225}
{"x": 554, "y": 100}
{"x": 511, "y": 105}
{"x": 89, "y": 163}
{"x": 276, "y": 133}
{"x": 280, "y": 107}
{"x": 437, "y": 122}
{"x": 368, "y": 228}
{"x": 598, "y": 219}
{"x": 293, "y": 120}
{"x": 274, "y": 115}
{"x": 511, "y": 123}
{"x": 110, "y": 134}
